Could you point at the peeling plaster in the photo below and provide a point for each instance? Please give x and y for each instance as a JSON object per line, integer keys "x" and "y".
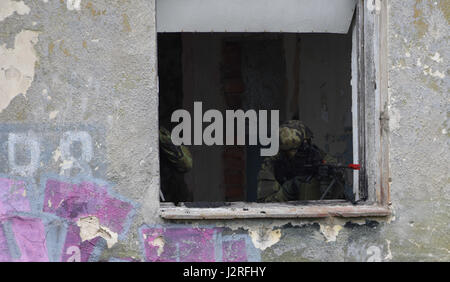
{"x": 330, "y": 232}
{"x": 56, "y": 155}
{"x": 236, "y": 225}
{"x": 159, "y": 243}
{"x": 263, "y": 238}
{"x": 428, "y": 71}
{"x": 17, "y": 67}
{"x": 9, "y": 7}
{"x": 436, "y": 57}
{"x": 53, "y": 114}
{"x": 90, "y": 228}
{"x": 73, "y": 5}
{"x": 389, "y": 253}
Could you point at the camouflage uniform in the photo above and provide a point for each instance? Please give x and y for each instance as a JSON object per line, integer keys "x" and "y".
{"x": 277, "y": 181}
{"x": 174, "y": 162}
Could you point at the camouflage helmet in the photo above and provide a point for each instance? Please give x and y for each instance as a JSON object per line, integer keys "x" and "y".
{"x": 292, "y": 134}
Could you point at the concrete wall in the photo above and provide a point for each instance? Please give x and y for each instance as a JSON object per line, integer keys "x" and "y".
{"x": 79, "y": 158}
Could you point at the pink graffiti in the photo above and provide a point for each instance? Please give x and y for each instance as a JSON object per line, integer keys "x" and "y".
{"x": 234, "y": 251}
{"x": 76, "y": 250}
{"x": 74, "y": 201}
{"x": 13, "y": 196}
{"x": 192, "y": 245}
{"x": 180, "y": 244}
{"x": 28, "y": 236}
{"x": 4, "y": 251}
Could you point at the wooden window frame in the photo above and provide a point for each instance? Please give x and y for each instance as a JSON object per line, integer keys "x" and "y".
{"x": 369, "y": 65}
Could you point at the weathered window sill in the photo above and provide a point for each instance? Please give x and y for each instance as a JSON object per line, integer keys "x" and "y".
{"x": 239, "y": 210}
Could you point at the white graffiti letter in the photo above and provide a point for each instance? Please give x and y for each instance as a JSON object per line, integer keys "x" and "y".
{"x": 69, "y": 161}
{"x": 30, "y": 141}
{"x": 75, "y": 252}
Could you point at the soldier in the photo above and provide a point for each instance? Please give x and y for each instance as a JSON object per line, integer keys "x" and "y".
{"x": 174, "y": 162}
{"x": 282, "y": 177}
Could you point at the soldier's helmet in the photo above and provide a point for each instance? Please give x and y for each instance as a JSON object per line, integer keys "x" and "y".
{"x": 292, "y": 134}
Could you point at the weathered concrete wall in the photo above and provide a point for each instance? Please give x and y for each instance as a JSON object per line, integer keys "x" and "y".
{"x": 79, "y": 158}
{"x": 77, "y": 121}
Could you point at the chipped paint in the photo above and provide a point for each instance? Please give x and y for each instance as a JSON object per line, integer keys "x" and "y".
{"x": 17, "y": 67}
{"x": 330, "y": 232}
{"x": 73, "y": 5}
{"x": 428, "y": 71}
{"x": 56, "y": 155}
{"x": 436, "y": 57}
{"x": 159, "y": 243}
{"x": 389, "y": 253}
{"x": 263, "y": 238}
{"x": 66, "y": 164}
{"x": 90, "y": 228}
{"x": 53, "y": 114}
{"x": 9, "y": 7}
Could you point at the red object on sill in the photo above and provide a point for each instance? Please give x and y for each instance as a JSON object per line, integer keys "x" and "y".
{"x": 354, "y": 166}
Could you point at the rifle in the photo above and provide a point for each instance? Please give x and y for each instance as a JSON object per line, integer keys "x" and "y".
{"x": 310, "y": 163}
{"x": 325, "y": 171}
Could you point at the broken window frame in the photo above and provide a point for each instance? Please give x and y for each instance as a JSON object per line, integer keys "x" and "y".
{"x": 371, "y": 183}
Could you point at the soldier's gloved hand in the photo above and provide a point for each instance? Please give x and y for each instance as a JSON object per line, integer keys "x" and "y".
{"x": 291, "y": 188}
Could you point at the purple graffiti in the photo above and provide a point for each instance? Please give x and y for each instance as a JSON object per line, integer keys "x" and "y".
{"x": 76, "y": 250}
{"x": 4, "y": 250}
{"x": 30, "y": 238}
{"x": 27, "y": 234}
{"x": 234, "y": 251}
{"x": 180, "y": 244}
{"x": 13, "y": 196}
{"x": 176, "y": 243}
{"x": 27, "y": 240}
{"x": 74, "y": 201}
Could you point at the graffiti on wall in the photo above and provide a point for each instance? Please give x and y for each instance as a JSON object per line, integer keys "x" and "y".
{"x": 186, "y": 243}
{"x": 67, "y": 214}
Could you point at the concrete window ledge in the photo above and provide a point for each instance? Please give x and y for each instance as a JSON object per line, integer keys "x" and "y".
{"x": 235, "y": 210}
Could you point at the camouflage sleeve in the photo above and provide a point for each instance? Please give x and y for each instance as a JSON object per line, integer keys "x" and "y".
{"x": 269, "y": 189}
{"x": 178, "y": 156}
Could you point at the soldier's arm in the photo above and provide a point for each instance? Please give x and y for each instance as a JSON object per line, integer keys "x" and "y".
{"x": 269, "y": 189}
{"x": 178, "y": 156}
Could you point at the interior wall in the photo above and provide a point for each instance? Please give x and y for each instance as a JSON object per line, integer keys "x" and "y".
{"x": 170, "y": 76}
{"x": 324, "y": 97}
{"x": 304, "y": 76}
{"x": 264, "y": 75}
{"x": 202, "y": 82}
